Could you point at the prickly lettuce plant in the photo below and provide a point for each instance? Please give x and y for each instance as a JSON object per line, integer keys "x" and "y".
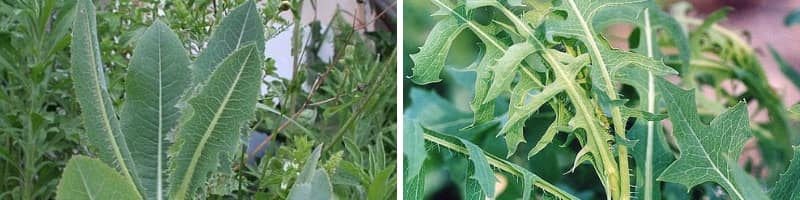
{"x": 179, "y": 121}
{"x": 607, "y": 103}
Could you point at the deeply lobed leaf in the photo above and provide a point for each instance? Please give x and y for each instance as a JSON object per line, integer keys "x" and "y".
{"x": 705, "y": 149}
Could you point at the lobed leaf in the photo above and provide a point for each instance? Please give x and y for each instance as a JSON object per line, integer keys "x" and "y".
{"x": 705, "y": 148}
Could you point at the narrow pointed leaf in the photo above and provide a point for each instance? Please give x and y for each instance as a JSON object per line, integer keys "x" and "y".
{"x": 242, "y": 26}
{"x": 99, "y": 117}
{"x": 157, "y": 78}
{"x": 218, "y": 112}
{"x": 88, "y": 178}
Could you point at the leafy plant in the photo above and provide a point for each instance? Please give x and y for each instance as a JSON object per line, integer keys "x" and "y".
{"x": 605, "y": 103}
{"x": 213, "y": 115}
{"x": 39, "y": 126}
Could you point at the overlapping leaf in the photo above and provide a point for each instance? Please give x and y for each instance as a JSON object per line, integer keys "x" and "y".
{"x": 242, "y": 26}
{"x": 218, "y": 112}
{"x": 99, "y": 118}
{"x": 157, "y": 78}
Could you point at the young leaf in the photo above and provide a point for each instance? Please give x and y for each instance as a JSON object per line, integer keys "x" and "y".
{"x": 88, "y": 178}
{"x": 157, "y": 78}
{"x": 218, "y": 112}
{"x": 704, "y": 148}
{"x": 99, "y": 117}
{"x": 787, "y": 187}
{"x": 242, "y": 26}
{"x": 312, "y": 183}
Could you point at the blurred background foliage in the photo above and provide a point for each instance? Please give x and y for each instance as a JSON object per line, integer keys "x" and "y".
{"x": 726, "y": 67}
{"x": 352, "y": 111}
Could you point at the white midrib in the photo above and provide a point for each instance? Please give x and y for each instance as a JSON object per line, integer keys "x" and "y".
{"x": 651, "y": 108}
{"x": 196, "y": 155}
{"x": 89, "y": 192}
{"x": 101, "y": 101}
{"x": 571, "y": 91}
{"x": 241, "y": 32}
{"x": 160, "y": 170}
{"x": 705, "y": 154}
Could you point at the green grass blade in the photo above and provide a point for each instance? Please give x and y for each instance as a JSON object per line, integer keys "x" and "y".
{"x": 786, "y": 68}
{"x": 88, "y": 178}
{"x": 99, "y": 117}
{"x": 243, "y": 25}
{"x": 218, "y": 112}
{"x": 157, "y": 79}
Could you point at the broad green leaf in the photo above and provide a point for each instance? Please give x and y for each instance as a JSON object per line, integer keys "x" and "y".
{"x": 157, "y": 78}
{"x": 704, "y": 148}
{"x": 787, "y": 187}
{"x": 430, "y": 60}
{"x": 88, "y": 178}
{"x": 242, "y": 26}
{"x": 99, "y": 117}
{"x": 483, "y": 173}
{"x": 312, "y": 183}
{"x": 218, "y": 112}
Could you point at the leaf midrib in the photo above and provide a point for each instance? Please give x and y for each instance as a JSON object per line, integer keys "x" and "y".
{"x": 201, "y": 145}
{"x": 84, "y": 181}
{"x": 160, "y": 171}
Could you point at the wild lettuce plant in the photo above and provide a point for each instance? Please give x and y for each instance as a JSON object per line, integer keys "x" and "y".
{"x": 607, "y": 103}
{"x": 180, "y": 120}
